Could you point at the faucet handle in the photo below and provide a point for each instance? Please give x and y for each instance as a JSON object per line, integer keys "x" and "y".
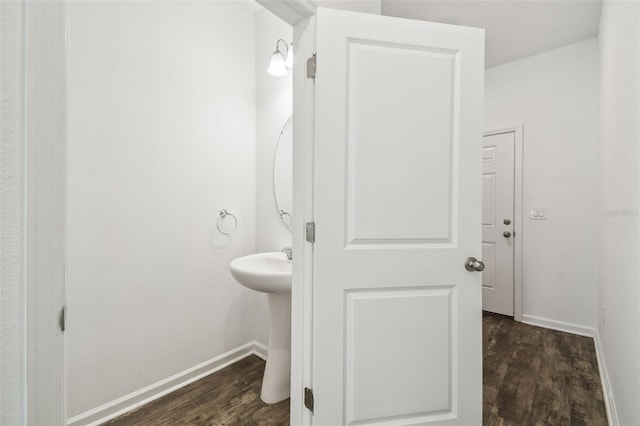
{"x": 288, "y": 251}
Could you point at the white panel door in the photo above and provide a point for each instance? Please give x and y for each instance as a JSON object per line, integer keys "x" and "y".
{"x": 497, "y": 222}
{"x": 397, "y": 206}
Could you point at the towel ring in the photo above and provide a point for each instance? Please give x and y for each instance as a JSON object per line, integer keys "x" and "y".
{"x": 223, "y": 214}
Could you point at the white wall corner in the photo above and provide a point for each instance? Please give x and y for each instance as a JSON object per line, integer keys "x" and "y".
{"x": 607, "y": 393}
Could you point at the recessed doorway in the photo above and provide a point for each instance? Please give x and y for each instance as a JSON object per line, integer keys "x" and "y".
{"x": 502, "y": 222}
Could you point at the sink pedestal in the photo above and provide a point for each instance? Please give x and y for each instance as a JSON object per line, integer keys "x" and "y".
{"x": 276, "y": 382}
{"x": 271, "y": 273}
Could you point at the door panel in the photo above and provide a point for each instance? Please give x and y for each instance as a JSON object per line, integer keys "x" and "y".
{"x": 489, "y": 197}
{"x": 420, "y": 186}
{"x": 497, "y": 205}
{"x": 399, "y": 354}
{"x": 489, "y": 259}
{"x": 397, "y": 206}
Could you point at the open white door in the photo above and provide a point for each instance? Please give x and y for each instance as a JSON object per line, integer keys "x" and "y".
{"x": 397, "y": 326}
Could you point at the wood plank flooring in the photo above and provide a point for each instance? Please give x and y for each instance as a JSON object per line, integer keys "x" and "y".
{"x": 536, "y": 376}
{"x": 532, "y": 376}
{"x": 228, "y": 397}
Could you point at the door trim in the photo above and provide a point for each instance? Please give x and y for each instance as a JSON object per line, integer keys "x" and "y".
{"x": 302, "y": 287}
{"x": 291, "y": 11}
{"x": 518, "y": 209}
{"x": 45, "y": 218}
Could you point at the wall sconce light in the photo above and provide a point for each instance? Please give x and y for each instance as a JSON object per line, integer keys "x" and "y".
{"x": 281, "y": 61}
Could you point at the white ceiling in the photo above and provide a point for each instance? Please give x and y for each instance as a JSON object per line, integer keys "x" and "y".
{"x": 514, "y": 28}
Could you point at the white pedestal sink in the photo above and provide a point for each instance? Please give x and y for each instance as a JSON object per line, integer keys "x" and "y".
{"x": 271, "y": 273}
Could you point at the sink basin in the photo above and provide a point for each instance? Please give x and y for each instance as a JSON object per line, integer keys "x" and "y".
{"x": 266, "y": 272}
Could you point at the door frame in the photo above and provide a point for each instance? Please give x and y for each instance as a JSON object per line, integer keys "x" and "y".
{"x": 303, "y": 202}
{"x": 290, "y": 11}
{"x": 45, "y": 150}
{"x": 518, "y": 131}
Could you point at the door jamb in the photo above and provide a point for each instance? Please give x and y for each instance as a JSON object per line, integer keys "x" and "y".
{"x": 45, "y": 219}
{"x": 518, "y": 131}
{"x": 303, "y": 202}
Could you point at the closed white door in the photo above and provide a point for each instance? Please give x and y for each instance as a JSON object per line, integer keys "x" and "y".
{"x": 397, "y": 206}
{"x": 497, "y": 222}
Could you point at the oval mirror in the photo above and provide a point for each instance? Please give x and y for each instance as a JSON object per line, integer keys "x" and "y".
{"x": 283, "y": 174}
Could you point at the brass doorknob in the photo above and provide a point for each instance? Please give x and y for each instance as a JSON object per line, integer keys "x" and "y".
{"x": 506, "y": 234}
{"x": 473, "y": 264}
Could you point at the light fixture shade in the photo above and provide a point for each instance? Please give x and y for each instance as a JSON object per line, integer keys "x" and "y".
{"x": 276, "y": 66}
{"x": 289, "y": 61}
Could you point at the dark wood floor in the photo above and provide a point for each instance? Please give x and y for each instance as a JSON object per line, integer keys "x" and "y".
{"x": 532, "y": 376}
{"x": 230, "y": 396}
{"x": 536, "y": 376}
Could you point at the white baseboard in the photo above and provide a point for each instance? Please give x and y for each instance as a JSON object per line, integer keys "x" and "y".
{"x": 152, "y": 392}
{"x": 567, "y": 327}
{"x": 612, "y": 414}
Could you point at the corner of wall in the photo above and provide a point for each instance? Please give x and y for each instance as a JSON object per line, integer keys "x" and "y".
{"x": 607, "y": 394}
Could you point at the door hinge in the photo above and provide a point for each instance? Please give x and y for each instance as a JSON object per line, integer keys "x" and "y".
{"x": 308, "y": 399}
{"x": 311, "y": 232}
{"x": 62, "y": 318}
{"x": 311, "y": 67}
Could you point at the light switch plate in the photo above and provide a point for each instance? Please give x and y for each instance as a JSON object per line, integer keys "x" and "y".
{"x": 538, "y": 213}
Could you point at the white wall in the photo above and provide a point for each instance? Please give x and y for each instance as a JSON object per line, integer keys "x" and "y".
{"x": 273, "y": 108}
{"x": 12, "y": 187}
{"x": 555, "y": 96}
{"x": 619, "y": 326}
{"x": 161, "y": 137}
